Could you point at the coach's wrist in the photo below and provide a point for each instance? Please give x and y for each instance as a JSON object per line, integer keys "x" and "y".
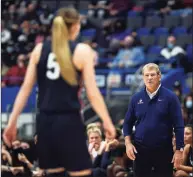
{"x": 179, "y": 150}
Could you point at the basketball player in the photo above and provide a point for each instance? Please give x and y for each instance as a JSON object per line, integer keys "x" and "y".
{"x": 61, "y": 141}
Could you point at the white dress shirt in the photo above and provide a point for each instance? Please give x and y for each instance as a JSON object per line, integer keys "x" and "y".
{"x": 151, "y": 95}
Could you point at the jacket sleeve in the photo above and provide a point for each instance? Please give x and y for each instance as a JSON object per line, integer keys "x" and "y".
{"x": 129, "y": 120}
{"x": 177, "y": 121}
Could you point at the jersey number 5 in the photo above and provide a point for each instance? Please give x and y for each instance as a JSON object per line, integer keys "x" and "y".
{"x": 53, "y": 68}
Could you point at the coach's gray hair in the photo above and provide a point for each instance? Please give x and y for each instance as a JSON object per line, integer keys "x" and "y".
{"x": 151, "y": 66}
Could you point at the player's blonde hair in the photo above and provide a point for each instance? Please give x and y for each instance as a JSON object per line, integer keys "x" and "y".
{"x": 62, "y": 23}
{"x": 152, "y": 66}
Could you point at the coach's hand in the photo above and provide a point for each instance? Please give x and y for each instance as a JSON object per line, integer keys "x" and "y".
{"x": 109, "y": 130}
{"x": 177, "y": 159}
{"x": 9, "y": 134}
{"x": 131, "y": 150}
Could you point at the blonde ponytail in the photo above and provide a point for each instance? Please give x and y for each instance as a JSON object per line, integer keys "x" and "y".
{"x": 60, "y": 48}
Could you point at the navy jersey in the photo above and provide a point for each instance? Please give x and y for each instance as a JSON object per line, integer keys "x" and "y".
{"x": 54, "y": 93}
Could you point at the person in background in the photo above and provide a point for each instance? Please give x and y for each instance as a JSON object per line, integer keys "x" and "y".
{"x": 15, "y": 75}
{"x": 175, "y": 54}
{"x": 129, "y": 56}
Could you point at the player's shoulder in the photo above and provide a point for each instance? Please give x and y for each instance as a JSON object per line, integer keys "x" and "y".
{"x": 37, "y": 50}
{"x": 82, "y": 47}
{"x": 36, "y": 53}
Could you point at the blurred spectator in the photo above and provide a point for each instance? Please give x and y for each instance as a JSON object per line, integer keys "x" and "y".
{"x": 120, "y": 8}
{"x": 10, "y": 16}
{"x": 129, "y": 56}
{"x": 9, "y": 54}
{"x": 175, "y": 54}
{"x": 188, "y": 105}
{"x": 4, "y": 69}
{"x": 15, "y": 32}
{"x": 185, "y": 116}
{"x": 178, "y": 90}
{"x": 98, "y": 9}
{"x": 165, "y": 6}
{"x": 5, "y": 33}
{"x": 31, "y": 12}
{"x": 46, "y": 17}
{"x": 119, "y": 167}
{"x": 22, "y": 10}
{"x": 15, "y": 74}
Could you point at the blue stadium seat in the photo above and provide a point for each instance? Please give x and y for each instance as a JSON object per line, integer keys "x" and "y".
{"x": 190, "y": 53}
{"x": 171, "y": 21}
{"x": 134, "y": 22}
{"x": 187, "y": 21}
{"x": 132, "y": 13}
{"x": 89, "y": 32}
{"x": 184, "y": 39}
{"x": 161, "y": 31}
{"x": 176, "y": 12}
{"x": 154, "y": 49}
{"x": 147, "y": 40}
{"x": 161, "y": 40}
{"x": 153, "y": 22}
{"x": 122, "y": 35}
{"x": 143, "y": 31}
{"x": 190, "y": 31}
{"x": 179, "y": 30}
{"x": 153, "y": 53}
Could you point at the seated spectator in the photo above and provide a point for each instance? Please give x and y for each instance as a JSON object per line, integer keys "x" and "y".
{"x": 15, "y": 75}
{"x": 4, "y": 69}
{"x": 185, "y": 116}
{"x": 8, "y": 167}
{"x": 130, "y": 56}
{"x": 5, "y": 155}
{"x": 96, "y": 144}
{"x": 188, "y": 104}
{"x": 120, "y": 8}
{"x": 10, "y": 16}
{"x": 5, "y": 33}
{"x": 46, "y": 17}
{"x": 186, "y": 169}
{"x": 98, "y": 9}
{"x": 174, "y": 53}
{"x": 177, "y": 88}
{"x": 103, "y": 158}
{"x": 165, "y": 6}
{"x": 119, "y": 167}
{"x": 31, "y": 13}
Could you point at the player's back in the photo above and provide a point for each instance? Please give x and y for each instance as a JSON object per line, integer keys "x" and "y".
{"x": 54, "y": 93}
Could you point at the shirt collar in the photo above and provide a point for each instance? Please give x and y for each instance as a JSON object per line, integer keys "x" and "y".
{"x": 151, "y": 95}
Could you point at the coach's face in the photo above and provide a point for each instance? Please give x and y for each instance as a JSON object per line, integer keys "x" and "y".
{"x": 151, "y": 79}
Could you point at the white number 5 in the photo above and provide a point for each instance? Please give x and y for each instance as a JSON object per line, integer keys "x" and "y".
{"x": 53, "y": 68}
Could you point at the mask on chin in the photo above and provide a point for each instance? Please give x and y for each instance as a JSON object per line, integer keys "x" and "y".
{"x": 170, "y": 45}
{"x": 189, "y": 104}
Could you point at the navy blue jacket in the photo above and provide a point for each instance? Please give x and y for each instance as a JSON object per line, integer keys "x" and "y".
{"x": 155, "y": 118}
